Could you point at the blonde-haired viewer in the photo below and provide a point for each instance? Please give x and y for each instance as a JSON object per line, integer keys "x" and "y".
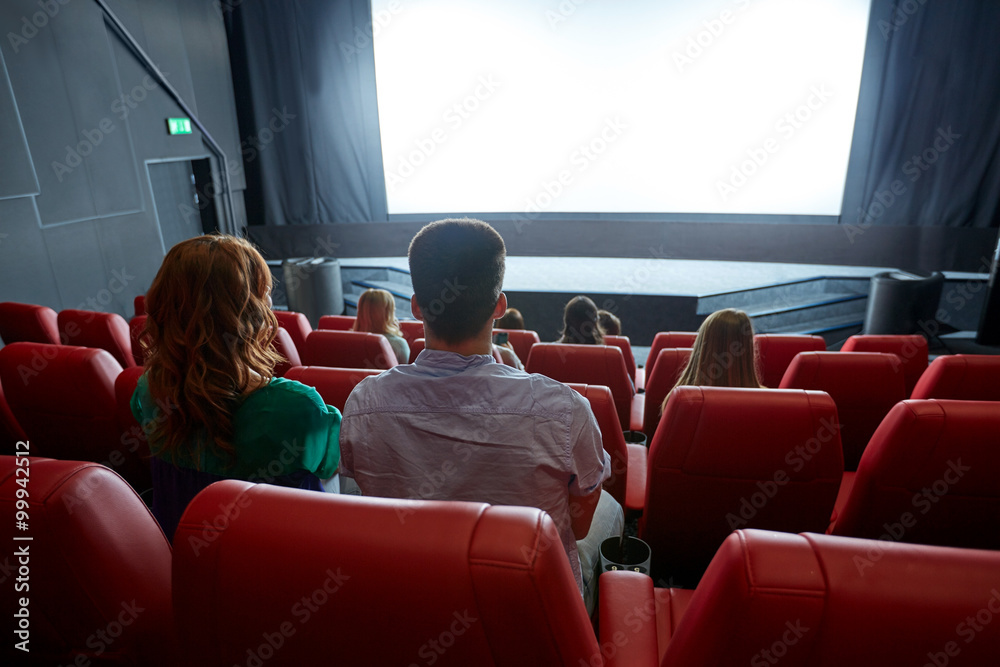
{"x": 723, "y": 355}
{"x": 377, "y": 314}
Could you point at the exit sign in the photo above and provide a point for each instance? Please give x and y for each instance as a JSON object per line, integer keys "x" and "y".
{"x": 179, "y": 125}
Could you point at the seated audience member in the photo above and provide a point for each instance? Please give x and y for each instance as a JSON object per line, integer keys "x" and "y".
{"x": 208, "y": 400}
{"x": 580, "y": 323}
{"x": 723, "y": 354}
{"x": 511, "y": 319}
{"x": 377, "y": 314}
{"x": 610, "y": 323}
{"x": 456, "y": 425}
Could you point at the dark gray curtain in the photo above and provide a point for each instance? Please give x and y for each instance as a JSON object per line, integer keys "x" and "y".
{"x": 304, "y": 74}
{"x": 933, "y": 153}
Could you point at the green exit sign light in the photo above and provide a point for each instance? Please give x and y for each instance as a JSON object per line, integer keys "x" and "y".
{"x": 179, "y": 125}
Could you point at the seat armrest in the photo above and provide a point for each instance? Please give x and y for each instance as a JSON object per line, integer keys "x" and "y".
{"x": 638, "y": 408}
{"x": 635, "y": 480}
{"x": 628, "y": 620}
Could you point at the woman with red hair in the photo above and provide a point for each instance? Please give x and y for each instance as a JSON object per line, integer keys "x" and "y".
{"x": 208, "y": 401}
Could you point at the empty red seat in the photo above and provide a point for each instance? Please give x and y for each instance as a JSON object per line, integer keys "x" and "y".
{"x": 348, "y": 349}
{"x": 628, "y": 461}
{"x": 135, "y": 328}
{"x": 416, "y": 347}
{"x": 28, "y": 322}
{"x": 911, "y": 350}
{"x": 104, "y": 331}
{"x": 520, "y": 339}
{"x": 337, "y": 322}
{"x": 591, "y": 364}
{"x": 929, "y": 476}
{"x": 64, "y": 399}
{"x": 964, "y": 377}
{"x": 284, "y": 346}
{"x": 660, "y": 382}
{"x": 726, "y": 458}
{"x": 451, "y": 583}
{"x": 809, "y": 600}
{"x": 297, "y": 325}
{"x": 333, "y": 384}
{"x": 776, "y": 351}
{"x": 864, "y": 385}
{"x": 625, "y": 345}
{"x": 412, "y": 330}
{"x": 665, "y": 339}
{"x": 139, "y": 305}
{"x": 99, "y": 584}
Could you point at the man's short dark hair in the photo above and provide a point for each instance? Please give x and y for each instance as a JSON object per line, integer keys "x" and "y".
{"x": 457, "y": 268}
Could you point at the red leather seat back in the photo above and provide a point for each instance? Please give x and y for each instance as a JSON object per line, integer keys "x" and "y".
{"x": 776, "y": 351}
{"x": 333, "y": 384}
{"x": 726, "y": 458}
{"x": 603, "y": 407}
{"x": 348, "y": 349}
{"x": 929, "y": 475}
{"x": 521, "y": 340}
{"x": 10, "y": 431}
{"x": 135, "y": 328}
{"x": 659, "y": 384}
{"x": 297, "y": 325}
{"x": 453, "y": 583}
{"x": 100, "y": 567}
{"x": 337, "y": 322}
{"x": 586, "y": 364}
{"x": 28, "y": 322}
{"x": 104, "y": 331}
{"x": 625, "y": 345}
{"x": 412, "y": 330}
{"x": 671, "y": 339}
{"x": 139, "y": 305}
{"x": 964, "y": 377}
{"x": 284, "y": 346}
{"x": 64, "y": 399}
{"x": 864, "y": 385}
{"x": 416, "y": 347}
{"x": 804, "y": 600}
{"x": 911, "y": 350}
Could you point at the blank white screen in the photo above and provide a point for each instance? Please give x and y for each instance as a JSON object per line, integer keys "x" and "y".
{"x": 637, "y": 106}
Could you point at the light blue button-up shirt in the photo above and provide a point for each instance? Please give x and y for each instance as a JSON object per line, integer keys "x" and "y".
{"x": 449, "y": 427}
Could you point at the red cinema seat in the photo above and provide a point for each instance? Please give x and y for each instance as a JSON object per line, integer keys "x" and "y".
{"x": 660, "y": 382}
{"x": 348, "y": 349}
{"x": 29, "y": 323}
{"x": 297, "y": 325}
{"x": 929, "y": 476}
{"x": 412, "y": 330}
{"x": 591, "y": 364}
{"x": 963, "y": 377}
{"x": 64, "y": 399}
{"x": 416, "y": 347}
{"x": 99, "y": 568}
{"x": 284, "y": 346}
{"x": 809, "y": 601}
{"x": 726, "y": 458}
{"x": 776, "y": 351}
{"x": 520, "y": 339}
{"x": 104, "y": 331}
{"x": 333, "y": 384}
{"x": 139, "y": 305}
{"x": 665, "y": 339}
{"x": 337, "y": 322}
{"x": 911, "y": 350}
{"x": 625, "y": 345}
{"x": 135, "y": 328}
{"x": 864, "y": 385}
{"x": 454, "y": 583}
{"x": 628, "y": 461}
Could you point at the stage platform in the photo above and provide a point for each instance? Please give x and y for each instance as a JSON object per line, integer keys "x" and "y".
{"x": 651, "y": 295}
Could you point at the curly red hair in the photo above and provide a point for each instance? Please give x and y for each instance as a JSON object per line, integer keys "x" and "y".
{"x": 208, "y": 335}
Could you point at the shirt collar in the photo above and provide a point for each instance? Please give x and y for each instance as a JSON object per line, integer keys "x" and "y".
{"x": 452, "y": 361}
